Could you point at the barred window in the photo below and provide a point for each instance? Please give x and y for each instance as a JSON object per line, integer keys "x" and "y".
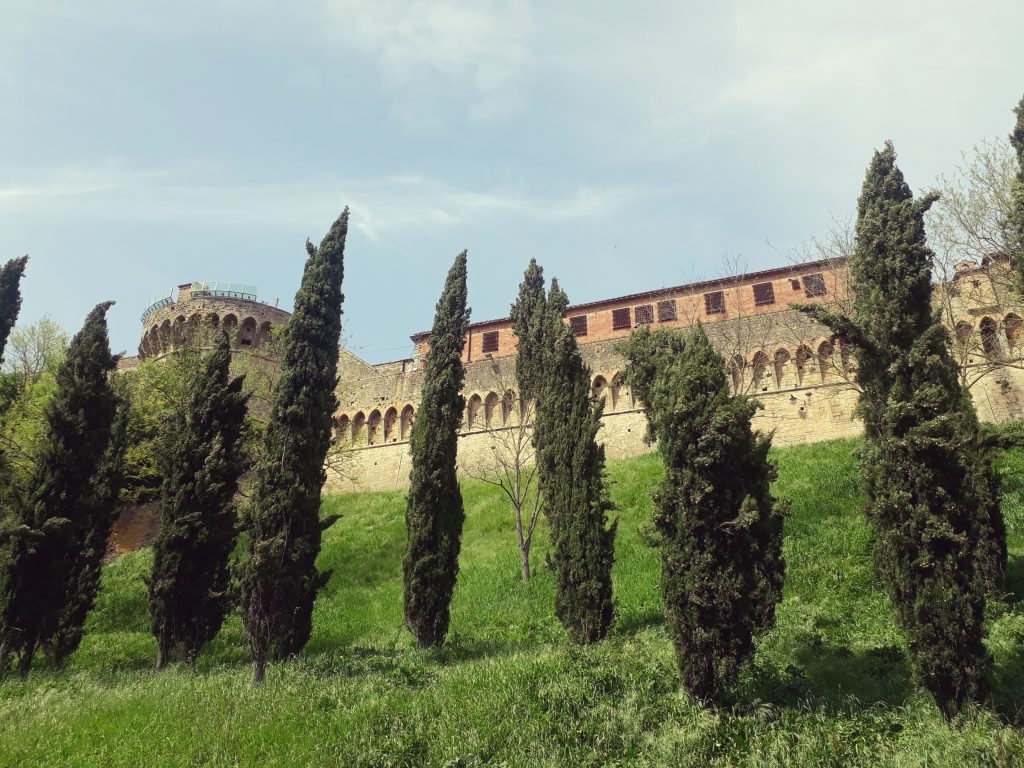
{"x": 795, "y": 283}
{"x": 764, "y": 293}
{"x": 643, "y": 314}
{"x": 667, "y": 310}
{"x": 491, "y": 341}
{"x": 620, "y": 319}
{"x": 814, "y": 285}
{"x": 578, "y": 325}
{"x": 714, "y": 303}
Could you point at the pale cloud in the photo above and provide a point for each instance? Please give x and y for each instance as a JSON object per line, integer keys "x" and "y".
{"x": 383, "y": 208}
{"x": 478, "y": 48}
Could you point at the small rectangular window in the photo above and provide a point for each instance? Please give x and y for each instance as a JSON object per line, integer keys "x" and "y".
{"x": 620, "y": 319}
{"x": 667, "y": 310}
{"x": 795, "y": 283}
{"x": 491, "y": 341}
{"x": 714, "y": 303}
{"x": 578, "y": 325}
{"x": 643, "y": 314}
{"x": 764, "y": 293}
{"x": 814, "y": 285}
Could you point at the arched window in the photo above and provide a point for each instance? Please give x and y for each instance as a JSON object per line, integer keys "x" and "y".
{"x": 406, "y": 424}
{"x": 1014, "y": 332}
{"x": 758, "y": 368}
{"x": 490, "y": 410}
{"x": 598, "y": 388}
{"x": 213, "y": 319}
{"x": 825, "y": 351}
{"x": 803, "y": 355}
{"x": 373, "y": 428}
{"x": 473, "y": 412}
{"x": 989, "y": 336}
{"x": 390, "y": 418}
{"x": 358, "y": 428}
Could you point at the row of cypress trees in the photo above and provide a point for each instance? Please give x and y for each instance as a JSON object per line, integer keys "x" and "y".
{"x": 54, "y": 531}
{"x": 550, "y": 369}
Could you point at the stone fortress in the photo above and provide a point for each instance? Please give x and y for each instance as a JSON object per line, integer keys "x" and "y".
{"x": 791, "y": 364}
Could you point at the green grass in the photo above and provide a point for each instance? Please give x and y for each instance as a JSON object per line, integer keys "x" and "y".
{"x": 830, "y": 685}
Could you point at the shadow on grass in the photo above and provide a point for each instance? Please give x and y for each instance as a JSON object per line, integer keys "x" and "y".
{"x": 828, "y": 676}
{"x": 1014, "y": 583}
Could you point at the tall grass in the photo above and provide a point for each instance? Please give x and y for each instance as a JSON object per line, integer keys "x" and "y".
{"x": 830, "y": 685}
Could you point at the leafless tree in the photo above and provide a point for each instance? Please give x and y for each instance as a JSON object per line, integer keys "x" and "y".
{"x": 510, "y": 465}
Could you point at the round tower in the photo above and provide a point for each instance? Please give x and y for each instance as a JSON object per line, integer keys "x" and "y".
{"x": 177, "y": 314}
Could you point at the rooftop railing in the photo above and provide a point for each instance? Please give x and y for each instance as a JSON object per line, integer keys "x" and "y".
{"x": 225, "y": 290}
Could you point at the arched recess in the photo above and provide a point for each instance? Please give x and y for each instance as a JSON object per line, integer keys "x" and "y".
{"x": 758, "y": 369}
{"x": 782, "y": 372}
{"x": 358, "y": 428}
{"x": 179, "y": 332}
{"x": 599, "y": 389}
{"x": 390, "y": 420}
{"x": 989, "y": 336}
{"x": 963, "y": 332}
{"x": 166, "y": 336}
{"x": 373, "y": 428}
{"x": 508, "y": 406}
{"x": 736, "y": 373}
{"x": 491, "y": 406}
{"x": 246, "y": 334}
{"x": 1013, "y": 327}
{"x": 344, "y": 428}
{"x": 406, "y": 422}
{"x": 154, "y": 340}
{"x": 264, "y": 333}
{"x": 473, "y": 412}
{"x": 230, "y": 325}
{"x": 803, "y": 357}
{"x": 825, "y": 364}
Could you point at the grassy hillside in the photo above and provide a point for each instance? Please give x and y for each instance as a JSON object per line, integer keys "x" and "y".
{"x": 830, "y": 686}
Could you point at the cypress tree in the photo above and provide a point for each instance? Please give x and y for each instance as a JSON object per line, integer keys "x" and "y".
{"x": 280, "y": 580}
{"x": 434, "y": 512}
{"x": 1015, "y": 222}
{"x": 47, "y": 588}
{"x": 202, "y": 457}
{"x": 527, "y": 324}
{"x": 934, "y": 501}
{"x": 570, "y": 464}
{"x": 720, "y": 529}
{"x": 10, "y": 297}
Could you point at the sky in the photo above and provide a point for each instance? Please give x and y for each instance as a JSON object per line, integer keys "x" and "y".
{"x": 626, "y": 146}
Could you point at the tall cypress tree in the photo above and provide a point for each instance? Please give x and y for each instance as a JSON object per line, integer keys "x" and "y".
{"x": 46, "y": 587}
{"x": 528, "y": 326}
{"x": 434, "y": 512}
{"x": 202, "y": 458}
{"x": 570, "y": 465}
{"x": 934, "y": 502}
{"x": 280, "y": 580}
{"x": 10, "y": 297}
{"x": 1015, "y": 223}
{"x": 721, "y": 530}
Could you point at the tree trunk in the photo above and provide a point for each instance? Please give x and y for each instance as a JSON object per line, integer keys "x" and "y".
{"x": 524, "y": 556}
{"x": 259, "y": 667}
{"x": 25, "y": 663}
{"x": 161, "y": 654}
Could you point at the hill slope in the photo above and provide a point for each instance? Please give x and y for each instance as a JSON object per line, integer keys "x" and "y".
{"x": 830, "y": 686}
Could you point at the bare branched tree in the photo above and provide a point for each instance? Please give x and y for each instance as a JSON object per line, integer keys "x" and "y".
{"x": 509, "y": 464}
